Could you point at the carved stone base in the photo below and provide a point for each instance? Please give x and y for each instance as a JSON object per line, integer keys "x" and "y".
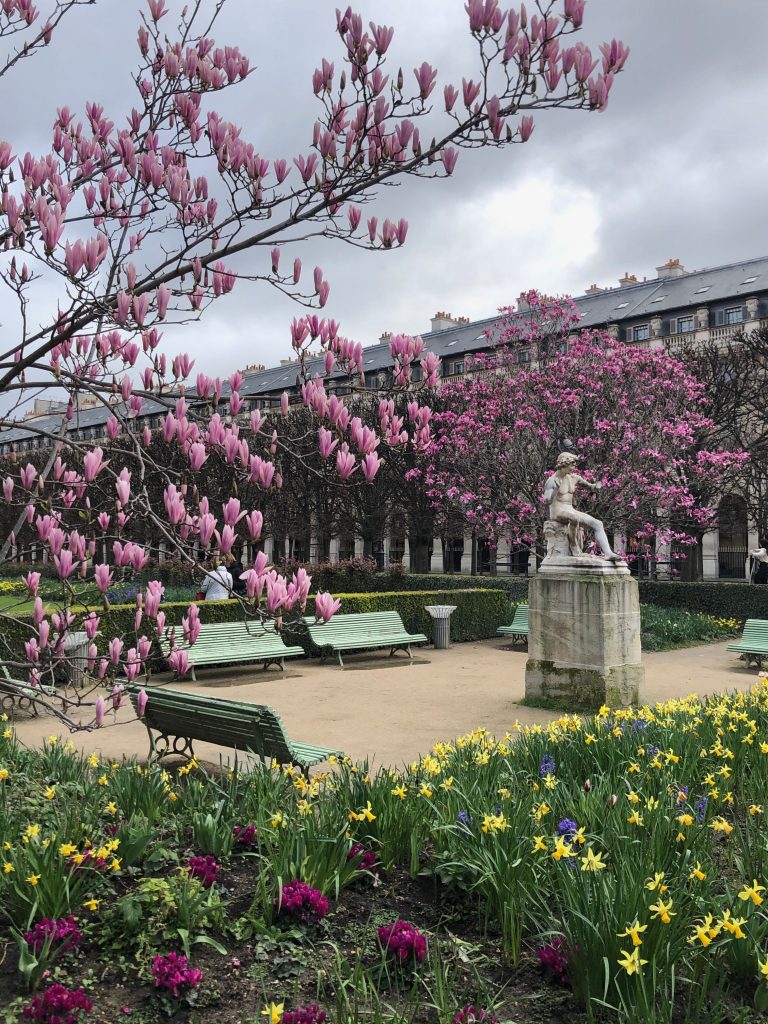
{"x": 564, "y": 554}
{"x": 584, "y": 638}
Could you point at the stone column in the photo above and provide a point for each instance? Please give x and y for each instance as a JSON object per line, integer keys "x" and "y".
{"x": 436, "y": 565}
{"x": 503, "y": 555}
{"x": 358, "y": 547}
{"x": 466, "y": 555}
{"x": 702, "y": 318}
{"x": 710, "y": 555}
{"x": 752, "y": 308}
{"x": 584, "y": 636}
{"x": 333, "y": 549}
{"x": 406, "y": 553}
{"x": 655, "y": 327}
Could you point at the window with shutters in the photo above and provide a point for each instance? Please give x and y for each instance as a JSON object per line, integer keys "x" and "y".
{"x": 641, "y": 332}
{"x": 685, "y": 324}
{"x": 734, "y": 315}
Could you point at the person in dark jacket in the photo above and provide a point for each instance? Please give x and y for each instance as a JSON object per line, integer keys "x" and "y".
{"x": 236, "y": 570}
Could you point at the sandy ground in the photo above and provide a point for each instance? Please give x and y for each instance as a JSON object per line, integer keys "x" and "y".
{"x": 390, "y": 711}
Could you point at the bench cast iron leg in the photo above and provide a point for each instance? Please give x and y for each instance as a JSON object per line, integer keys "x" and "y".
{"x": 340, "y": 661}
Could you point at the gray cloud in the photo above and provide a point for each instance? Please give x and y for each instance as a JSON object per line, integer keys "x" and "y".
{"x": 675, "y": 166}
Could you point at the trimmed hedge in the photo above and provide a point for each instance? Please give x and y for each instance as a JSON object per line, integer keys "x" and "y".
{"x": 477, "y": 616}
{"x": 729, "y": 600}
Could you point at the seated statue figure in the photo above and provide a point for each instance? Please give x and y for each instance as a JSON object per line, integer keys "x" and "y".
{"x": 558, "y": 494}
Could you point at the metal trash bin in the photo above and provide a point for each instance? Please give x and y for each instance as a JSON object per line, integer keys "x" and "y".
{"x": 441, "y": 617}
{"x": 76, "y": 653}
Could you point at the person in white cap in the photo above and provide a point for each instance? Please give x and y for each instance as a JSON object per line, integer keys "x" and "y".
{"x": 558, "y": 494}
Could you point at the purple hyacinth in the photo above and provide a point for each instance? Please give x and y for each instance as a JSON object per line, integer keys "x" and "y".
{"x": 367, "y": 858}
{"x": 465, "y": 819}
{"x": 701, "y": 809}
{"x": 548, "y": 766}
{"x": 245, "y": 836}
{"x": 567, "y": 828}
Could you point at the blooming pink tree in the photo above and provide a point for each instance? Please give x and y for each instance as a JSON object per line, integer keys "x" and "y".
{"x": 135, "y": 219}
{"x": 636, "y": 417}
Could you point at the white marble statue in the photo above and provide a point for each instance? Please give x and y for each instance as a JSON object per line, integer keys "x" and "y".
{"x": 559, "y": 491}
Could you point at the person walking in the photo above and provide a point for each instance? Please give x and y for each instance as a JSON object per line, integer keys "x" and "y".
{"x": 217, "y": 585}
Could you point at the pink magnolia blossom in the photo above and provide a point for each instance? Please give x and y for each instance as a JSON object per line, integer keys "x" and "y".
{"x": 325, "y": 606}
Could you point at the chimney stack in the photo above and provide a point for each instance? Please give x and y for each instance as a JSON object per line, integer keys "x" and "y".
{"x": 627, "y": 279}
{"x": 672, "y": 268}
{"x": 444, "y": 321}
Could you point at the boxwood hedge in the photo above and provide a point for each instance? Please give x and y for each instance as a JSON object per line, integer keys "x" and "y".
{"x": 478, "y": 614}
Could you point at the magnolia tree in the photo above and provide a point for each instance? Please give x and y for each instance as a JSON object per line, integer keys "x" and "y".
{"x": 636, "y": 416}
{"x": 135, "y": 218}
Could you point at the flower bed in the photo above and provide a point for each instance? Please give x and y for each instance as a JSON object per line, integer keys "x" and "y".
{"x": 613, "y": 868}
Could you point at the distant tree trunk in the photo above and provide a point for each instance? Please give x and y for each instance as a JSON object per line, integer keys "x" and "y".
{"x": 420, "y": 557}
{"x": 473, "y": 562}
{"x": 691, "y": 568}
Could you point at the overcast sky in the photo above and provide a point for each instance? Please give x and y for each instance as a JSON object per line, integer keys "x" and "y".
{"x": 676, "y": 167}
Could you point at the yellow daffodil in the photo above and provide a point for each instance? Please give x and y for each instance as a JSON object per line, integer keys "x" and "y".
{"x": 763, "y": 965}
{"x": 7, "y": 733}
{"x": 752, "y": 892}
{"x": 733, "y": 925}
{"x": 635, "y": 818}
{"x": 755, "y": 809}
{"x": 633, "y": 931}
{"x": 93, "y": 760}
{"x": 111, "y": 807}
{"x": 541, "y": 810}
{"x": 633, "y": 767}
{"x": 366, "y": 813}
{"x": 657, "y": 883}
{"x": 651, "y": 803}
{"x": 67, "y": 849}
{"x": 92, "y": 904}
{"x": 447, "y": 784}
{"x": 277, "y": 820}
{"x": 685, "y": 819}
{"x": 633, "y": 797}
{"x": 494, "y": 823}
{"x": 3, "y": 774}
{"x": 721, "y": 825}
{"x": 539, "y": 845}
{"x": 398, "y": 791}
{"x": 423, "y": 789}
{"x": 697, "y": 873}
{"x": 33, "y": 879}
{"x": 562, "y": 849}
{"x": 631, "y": 962}
{"x": 663, "y": 911}
{"x": 273, "y": 1013}
{"x": 102, "y": 780}
{"x": 550, "y": 781}
{"x": 7, "y": 867}
{"x": 592, "y": 861}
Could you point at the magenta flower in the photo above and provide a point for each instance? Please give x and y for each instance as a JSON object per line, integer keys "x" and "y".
{"x": 304, "y": 1015}
{"x": 474, "y": 1015}
{"x": 302, "y": 902}
{"x": 173, "y": 975}
{"x": 62, "y": 933}
{"x": 205, "y": 869}
{"x": 403, "y": 941}
{"x": 58, "y": 1005}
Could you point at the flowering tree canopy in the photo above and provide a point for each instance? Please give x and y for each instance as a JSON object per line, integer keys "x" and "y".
{"x": 139, "y": 219}
{"x": 636, "y": 417}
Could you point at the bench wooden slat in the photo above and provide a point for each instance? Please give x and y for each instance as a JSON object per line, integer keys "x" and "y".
{"x": 256, "y": 728}
{"x": 518, "y": 628}
{"x": 358, "y": 631}
{"x": 753, "y": 642}
{"x": 222, "y": 642}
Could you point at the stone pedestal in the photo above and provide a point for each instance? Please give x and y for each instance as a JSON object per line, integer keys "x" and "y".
{"x": 584, "y": 634}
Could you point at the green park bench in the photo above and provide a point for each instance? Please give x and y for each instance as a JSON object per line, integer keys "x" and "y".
{"x": 362, "y": 631}
{"x": 220, "y": 642}
{"x": 174, "y": 718}
{"x": 754, "y": 642}
{"x": 518, "y": 629}
{"x": 17, "y": 693}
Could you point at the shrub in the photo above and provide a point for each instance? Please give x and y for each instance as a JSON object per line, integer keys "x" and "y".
{"x": 731, "y": 600}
